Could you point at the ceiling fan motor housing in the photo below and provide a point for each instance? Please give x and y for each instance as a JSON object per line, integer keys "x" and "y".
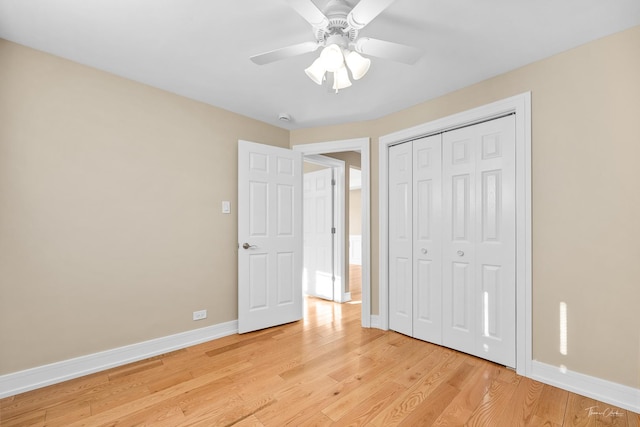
{"x": 336, "y": 11}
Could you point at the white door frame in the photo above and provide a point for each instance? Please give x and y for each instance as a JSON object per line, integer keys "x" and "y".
{"x": 361, "y": 145}
{"x": 521, "y": 106}
{"x": 338, "y": 166}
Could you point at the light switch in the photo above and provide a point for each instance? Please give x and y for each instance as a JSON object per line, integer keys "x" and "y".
{"x": 226, "y": 207}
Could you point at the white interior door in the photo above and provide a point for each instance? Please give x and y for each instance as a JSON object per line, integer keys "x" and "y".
{"x": 479, "y": 297}
{"x": 427, "y": 244}
{"x": 401, "y": 239}
{"x": 318, "y": 273}
{"x": 269, "y": 236}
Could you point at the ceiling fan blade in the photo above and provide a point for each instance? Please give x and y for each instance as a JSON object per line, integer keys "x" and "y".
{"x": 365, "y": 11}
{"x": 309, "y": 12}
{"x": 285, "y": 52}
{"x": 388, "y": 50}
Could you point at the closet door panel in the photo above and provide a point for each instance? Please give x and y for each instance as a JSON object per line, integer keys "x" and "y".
{"x": 479, "y": 243}
{"x": 427, "y": 225}
{"x": 400, "y": 239}
{"x": 459, "y": 294}
{"x": 495, "y": 248}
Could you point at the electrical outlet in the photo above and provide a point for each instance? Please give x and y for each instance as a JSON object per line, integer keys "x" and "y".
{"x": 199, "y": 315}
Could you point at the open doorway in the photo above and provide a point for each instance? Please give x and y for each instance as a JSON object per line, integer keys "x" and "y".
{"x": 352, "y": 147}
{"x": 333, "y": 227}
{"x": 323, "y": 217}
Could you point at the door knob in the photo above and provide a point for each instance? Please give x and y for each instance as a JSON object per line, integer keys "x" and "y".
{"x": 424, "y": 251}
{"x": 247, "y": 246}
{"x": 460, "y": 253}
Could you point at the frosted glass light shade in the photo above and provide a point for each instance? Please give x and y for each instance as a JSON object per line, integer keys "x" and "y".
{"x": 357, "y": 64}
{"x": 316, "y": 71}
{"x": 332, "y": 57}
{"x": 341, "y": 79}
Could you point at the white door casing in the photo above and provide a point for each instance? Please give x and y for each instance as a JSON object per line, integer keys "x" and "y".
{"x": 270, "y": 223}
{"x": 318, "y": 271}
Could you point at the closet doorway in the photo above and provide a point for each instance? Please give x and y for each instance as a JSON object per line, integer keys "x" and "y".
{"x": 520, "y": 107}
{"x": 452, "y": 239}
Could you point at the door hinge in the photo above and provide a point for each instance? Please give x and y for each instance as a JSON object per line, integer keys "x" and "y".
{"x": 333, "y": 230}
{"x": 333, "y": 181}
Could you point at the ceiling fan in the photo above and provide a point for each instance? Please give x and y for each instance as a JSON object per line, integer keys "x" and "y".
{"x": 336, "y": 32}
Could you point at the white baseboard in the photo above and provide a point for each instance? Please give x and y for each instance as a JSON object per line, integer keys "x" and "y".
{"x": 346, "y": 297}
{"x": 41, "y": 376}
{"x": 615, "y": 394}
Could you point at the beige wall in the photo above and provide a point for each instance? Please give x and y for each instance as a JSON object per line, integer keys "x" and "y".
{"x": 110, "y": 197}
{"x": 586, "y": 197}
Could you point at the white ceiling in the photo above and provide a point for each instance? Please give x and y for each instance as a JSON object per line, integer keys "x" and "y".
{"x": 200, "y": 48}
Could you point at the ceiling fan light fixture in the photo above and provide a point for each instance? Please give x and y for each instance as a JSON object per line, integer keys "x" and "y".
{"x": 332, "y": 58}
{"x": 316, "y": 71}
{"x": 358, "y": 64}
{"x": 336, "y": 30}
{"x": 341, "y": 79}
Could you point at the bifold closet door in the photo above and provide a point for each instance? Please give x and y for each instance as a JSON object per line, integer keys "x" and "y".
{"x": 401, "y": 239}
{"x": 415, "y": 217}
{"x": 427, "y": 244}
{"x": 478, "y": 247}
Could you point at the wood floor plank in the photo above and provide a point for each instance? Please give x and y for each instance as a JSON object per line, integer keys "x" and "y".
{"x": 493, "y": 404}
{"x": 67, "y": 413}
{"x": 472, "y": 391}
{"x": 536, "y": 421}
{"x": 427, "y": 411}
{"x": 325, "y": 370}
{"x": 633, "y": 419}
{"x": 34, "y": 417}
{"x": 114, "y": 397}
{"x": 552, "y": 405}
{"x": 52, "y": 395}
{"x": 577, "y": 411}
{"x": 169, "y": 381}
{"x": 368, "y": 406}
{"x": 298, "y": 399}
{"x": 523, "y": 403}
{"x": 432, "y": 357}
{"x": 133, "y": 368}
{"x": 227, "y": 412}
{"x": 131, "y": 407}
{"x": 407, "y": 402}
{"x": 160, "y": 416}
{"x": 250, "y": 421}
{"x": 372, "y": 378}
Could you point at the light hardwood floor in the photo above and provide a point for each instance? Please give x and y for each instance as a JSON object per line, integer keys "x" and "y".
{"x": 324, "y": 370}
